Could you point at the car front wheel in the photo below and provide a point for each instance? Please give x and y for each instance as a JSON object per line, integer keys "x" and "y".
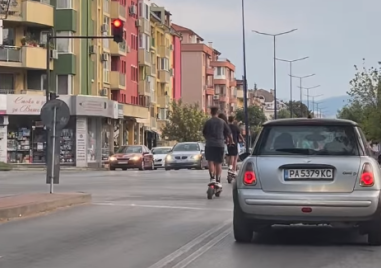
{"x": 243, "y": 231}
{"x": 374, "y": 232}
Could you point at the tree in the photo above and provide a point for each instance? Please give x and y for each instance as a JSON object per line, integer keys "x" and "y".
{"x": 284, "y": 113}
{"x": 185, "y": 122}
{"x": 255, "y": 114}
{"x": 299, "y": 109}
{"x": 365, "y": 106}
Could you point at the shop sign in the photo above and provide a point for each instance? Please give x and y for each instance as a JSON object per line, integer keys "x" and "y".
{"x": 120, "y": 111}
{"x": 81, "y": 142}
{"x": 24, "y": 104}
{"x": 94, "y": 106}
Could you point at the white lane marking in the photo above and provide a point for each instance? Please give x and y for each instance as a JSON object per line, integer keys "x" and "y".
{"x": 154, "y": 206}
{"x": 202, "y": 250}
{"x": 187, "y": 247}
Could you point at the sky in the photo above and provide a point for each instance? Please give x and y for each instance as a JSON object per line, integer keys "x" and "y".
{"x": 334, "y": 34}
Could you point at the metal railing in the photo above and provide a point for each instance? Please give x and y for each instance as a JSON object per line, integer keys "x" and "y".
{"x": 10, "y": 54}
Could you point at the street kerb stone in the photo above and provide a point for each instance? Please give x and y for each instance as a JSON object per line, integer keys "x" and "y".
{"x": 31, "y": 204}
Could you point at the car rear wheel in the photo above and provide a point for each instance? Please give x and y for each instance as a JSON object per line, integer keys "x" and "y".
{"x": 243, "y": 231}
{"x": 112, "y": 168}
{"x": 374, "y": 233}
{"x": 167, "y": 169}
{"x": 124, "y": 168}
{"x": 142, "y": 166}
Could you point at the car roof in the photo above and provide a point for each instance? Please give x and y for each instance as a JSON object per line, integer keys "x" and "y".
{"x": 188, "y": 142}
{"x": 162, "y": 147}
{"x": 310, "y": 121}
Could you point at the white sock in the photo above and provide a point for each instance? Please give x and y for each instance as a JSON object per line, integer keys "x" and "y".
{"x": 230, "y": 167}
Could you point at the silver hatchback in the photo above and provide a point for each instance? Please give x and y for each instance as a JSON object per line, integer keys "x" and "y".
{"x": 308, "y": 171}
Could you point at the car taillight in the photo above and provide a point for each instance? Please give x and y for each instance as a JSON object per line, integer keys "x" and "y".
{"x": 249, "y": 177}
{"x": 367, "y": 176}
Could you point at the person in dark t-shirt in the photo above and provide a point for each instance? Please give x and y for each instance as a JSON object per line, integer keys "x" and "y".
{"x": 215, "y": 132}
{"x": 233, "y": 148}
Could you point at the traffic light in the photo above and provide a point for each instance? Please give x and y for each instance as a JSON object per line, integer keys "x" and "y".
{"x": 117, "y": 30}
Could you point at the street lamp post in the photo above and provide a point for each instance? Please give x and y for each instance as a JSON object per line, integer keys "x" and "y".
{"x": 247, "y": 140}
{"x": 308, "y": 94}
{"x": 274, "y": 38}
{"x": 313, "y": 102}
{"x": 291, "y": 62}
{"x": 301, "y": 88}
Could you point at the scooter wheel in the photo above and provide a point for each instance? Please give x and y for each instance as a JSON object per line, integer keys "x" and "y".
{"x": 210, "y": 193}
{"x": 230, "y": 180}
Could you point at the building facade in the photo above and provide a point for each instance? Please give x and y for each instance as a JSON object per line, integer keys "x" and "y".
{"x": 89, "y": 75}
{"x": 176, "y": 54}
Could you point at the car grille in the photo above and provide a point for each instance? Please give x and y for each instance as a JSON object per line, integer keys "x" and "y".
{"x": 181, "y": 157}
{"x": 123, "y": 159}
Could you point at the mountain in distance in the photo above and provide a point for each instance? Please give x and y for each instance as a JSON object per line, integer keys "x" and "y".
{"x": 333, "y": 104}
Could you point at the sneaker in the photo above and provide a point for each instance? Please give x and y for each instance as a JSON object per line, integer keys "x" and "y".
{"x": 219, "y": 185}
{"x": 231, "y": 171}
{"x": 212, "y": 180}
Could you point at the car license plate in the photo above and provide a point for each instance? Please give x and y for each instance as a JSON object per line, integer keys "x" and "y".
{"x": 122, "y": 162}
{"x": 302, "y": 174}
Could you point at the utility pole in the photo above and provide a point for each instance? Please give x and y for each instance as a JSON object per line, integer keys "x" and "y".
{"x": 291, "y": 62}
{"x": 308, "y": 94}
{"x": 313, "y": 103}
{"x": 301, "y": 88}
{"x": 275, "y": 86}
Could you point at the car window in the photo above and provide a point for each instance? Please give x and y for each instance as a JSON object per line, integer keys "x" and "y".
{"x": 308, "y": 140}
{"x": 187, "y": 147}
{"x": 130, "y": 150}
{"x": 161, "y": 150}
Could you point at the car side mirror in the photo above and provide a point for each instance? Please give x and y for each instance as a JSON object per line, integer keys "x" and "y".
{"x": 244, "y": 156}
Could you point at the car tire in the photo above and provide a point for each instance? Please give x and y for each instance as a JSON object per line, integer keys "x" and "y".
{"x": 112, "y": 168}
{"x": 124, "y": 168}
{"x": 142, "y": 166}
{"x": 243, "y": 231}
{"x": 374, "y": 233}
{"x": 167, "y": 169}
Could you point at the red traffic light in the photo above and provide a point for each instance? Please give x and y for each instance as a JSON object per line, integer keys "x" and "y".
{"x": 117, "y": 23}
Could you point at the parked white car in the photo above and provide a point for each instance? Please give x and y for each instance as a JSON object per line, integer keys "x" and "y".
{"x": 159, "y": 154}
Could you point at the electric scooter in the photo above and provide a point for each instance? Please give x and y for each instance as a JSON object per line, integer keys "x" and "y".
{"x": 213, "y": 189}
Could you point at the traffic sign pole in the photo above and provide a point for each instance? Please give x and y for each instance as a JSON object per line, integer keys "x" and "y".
{"x": 53, "y": 150}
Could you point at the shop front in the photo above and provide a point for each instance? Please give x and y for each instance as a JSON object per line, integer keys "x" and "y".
{"x": 82, "y": 143}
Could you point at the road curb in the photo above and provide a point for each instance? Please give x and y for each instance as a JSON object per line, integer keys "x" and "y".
{"x": 35, "y": 204}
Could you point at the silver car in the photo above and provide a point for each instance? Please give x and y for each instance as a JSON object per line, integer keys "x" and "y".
{"x": 308, "y": 171}
{"x": 186, "y": 155}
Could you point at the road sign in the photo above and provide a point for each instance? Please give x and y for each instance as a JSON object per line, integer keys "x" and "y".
{"x": 60, "y": 109}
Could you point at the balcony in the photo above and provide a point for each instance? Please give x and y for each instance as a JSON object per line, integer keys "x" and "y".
{"x": 209, "y": 89}
{"x": 153, "y": 70}
{"x": 144, "y": 26}
{"x": 135, "y": 111}
{"x": 10, "y": 56}
{"x": 239, "y": 94}
{"x": 34, "y": 58}
{"x": 164, "y": 101}
{"x": 144, "y": 88}
{"x": 223, "y": 98}
{"x": 32, "y": 12}
{"x": 144, "y": 57}
{"x": 153, "y": 96}
{"x": 164, "y": 76}
{"x": 220, "y": 81}
{"x": 118, "y": 49}
{"x": 233, "y": 83}
{"x": 232, "y": 100}
{"x": 7, "y": 91}
{"x": 209, "y": 71}
{"x": 118, "y": 11}
{"x": 117, "y": 80}
{"x": 164, "y": 52}
{"x": 153, "y": 44}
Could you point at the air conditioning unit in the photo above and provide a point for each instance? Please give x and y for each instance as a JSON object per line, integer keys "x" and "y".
{"x": 132, "y": 10}
{"x": 216, "y": 97}
{"x": 92, "y": 50}
{"x": 104, "y": 57}
{"x": 138, "y": 23}
{"x": 104, "y": 28}
{"x": 103, "y": 92}
{"x": 54, "y": 54}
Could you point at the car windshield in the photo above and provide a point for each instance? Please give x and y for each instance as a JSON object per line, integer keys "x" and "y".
{"x": 160, "y": 150}
{"x": 130, "y": 150}
{"x": 186, "y": 147}
{"x": 308, "y": 140}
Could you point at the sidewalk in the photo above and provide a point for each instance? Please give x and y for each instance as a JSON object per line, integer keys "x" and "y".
{"x": 32, "y": 204}
{"x": 28, "y": 167}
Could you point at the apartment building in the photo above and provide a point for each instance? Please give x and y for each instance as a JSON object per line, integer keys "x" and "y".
{"x": 82, "y": 74}
{"x": 224, "y": 85}
{"x": 197, "y": 83}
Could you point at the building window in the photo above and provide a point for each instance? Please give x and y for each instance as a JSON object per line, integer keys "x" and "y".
{"x": 7, "y": 83}
{"x": 64, "y": 4}
{"x": 146, "y": 11}
{"x": 164, "y": 64}
{"x": 64, "y": 85}
{"x": 106, "y": 71}
{"x": 65, "y": 46}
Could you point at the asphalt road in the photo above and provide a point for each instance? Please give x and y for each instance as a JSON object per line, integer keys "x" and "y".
{"x": 157, "y": 219}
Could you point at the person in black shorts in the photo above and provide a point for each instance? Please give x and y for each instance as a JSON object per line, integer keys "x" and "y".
{"x": 233, "y": 148}
{"x": 215, "y": 132}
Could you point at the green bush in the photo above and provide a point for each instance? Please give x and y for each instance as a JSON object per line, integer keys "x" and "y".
{"x": 5, "y": 166}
